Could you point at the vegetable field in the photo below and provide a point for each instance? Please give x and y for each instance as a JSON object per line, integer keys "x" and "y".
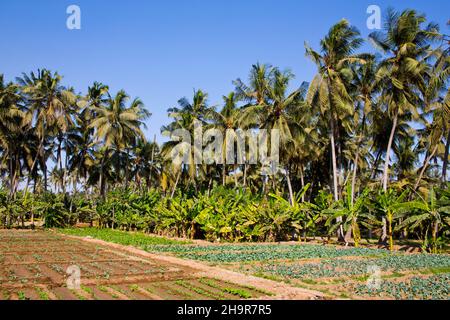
{"x": 40, "y": 265}
{"x": 355, "y": 273}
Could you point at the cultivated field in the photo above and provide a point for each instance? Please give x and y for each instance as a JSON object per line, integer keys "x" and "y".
{"x": 339, "y": 273}
{"x": 34, "y": 265}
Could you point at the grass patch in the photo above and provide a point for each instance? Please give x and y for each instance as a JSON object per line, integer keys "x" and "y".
{"x": 42, "y": 294}
{"x": 78, "y": 295}
{"x": 200, "y": 291}
{"x": 238, "y": 292}
{"x": 135, "y": 239}
{"x": 22, "y": 296}
{"x": 436, "y": 270}
{"x": 134, "y": 287}
{"x": 88, "y": 290}
{"x": 309, "y": 281}
{"x": 269, "y": 277}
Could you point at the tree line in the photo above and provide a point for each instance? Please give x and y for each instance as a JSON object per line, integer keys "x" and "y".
{"x": 367, "y": 123}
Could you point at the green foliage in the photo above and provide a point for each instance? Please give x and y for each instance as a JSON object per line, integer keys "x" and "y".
{"x": 255, "y": 252}
{"x": 430, "y": 288}
{"x": 225, "y": 215}
{"x": 120, "y": 237}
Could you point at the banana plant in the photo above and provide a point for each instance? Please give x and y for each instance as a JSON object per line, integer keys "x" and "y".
{"x": 303, "y": 215}
{"x": 54, "y": 211}
{"x": 350, "y": 211}
{"x": 390, "y": 205}
{"x": 428, "y": 212}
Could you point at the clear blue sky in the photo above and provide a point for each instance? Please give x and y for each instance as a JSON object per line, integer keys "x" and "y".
{"x": 161, "y": 50}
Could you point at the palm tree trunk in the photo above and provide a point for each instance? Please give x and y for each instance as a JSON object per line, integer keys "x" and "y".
{"x": 340, "y": 232}
{"x": 175, "y": 185}
{"x": 302, "y": 181}
{"x": 333, "y": 161}
{"x": 445, "y": 162}
{"x": 127, "y": 168}
{"x": 388, "y": 151}
{"x": 245, "y": 174}
{"x": 16, "y": 176}
{"x": 355, "y": 169}
{"x": 45, "y": 175}
{"x": 291, "y": 194}
{"x": 63, "y": 184}
{"x": 386, "y": 172}
{"x": 355, "y": 162}
{"x": 375, "y": 164}
{"x": 41, "y": 143}
{"x": 425, "y": 166}
{"x": 12, "y": 174}
{"x": 102, "y": 178}
{"x": 224, "y": 177}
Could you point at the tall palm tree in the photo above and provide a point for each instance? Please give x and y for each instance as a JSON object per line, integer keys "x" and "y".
{"x": 438, "y": 107}
{"x": 81, "y": 144}
{"x": 11, "y": 116}
{"x": 401, "y": 74}
{"x": 46, "y": 100}
{"x": 328, "y": 91}
{"x": 147, "y": 163}
{"x": 366, "y": 89}
{"x": 228, "y": 118}
{"x": 405, "y": 42}
{"x": 185, "y": 117}
{"x": 117, "y": 124}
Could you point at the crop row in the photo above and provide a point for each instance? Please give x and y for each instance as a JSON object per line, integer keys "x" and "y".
{"x": 242, "y": 253}
{"x": 435, "y": 288}
{"x": 344, "y": 267}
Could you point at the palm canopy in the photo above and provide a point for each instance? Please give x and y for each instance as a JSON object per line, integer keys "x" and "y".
{"x": 47, "y": 99}
{"x": 329, "y": 88}
{"x": 117, "y": 124}
{"x": 405, "y": 42}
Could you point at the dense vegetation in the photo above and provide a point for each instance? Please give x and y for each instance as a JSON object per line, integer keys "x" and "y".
{"x": 121, "y": 237}
{"x": 364, "y": 149}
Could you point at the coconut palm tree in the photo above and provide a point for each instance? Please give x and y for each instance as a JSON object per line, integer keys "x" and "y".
{"x": 276, "y": 113}
{"x": 147, "y": 163}
{"x": 46, "y": 100}
{"x": 405, "y": 42}
{"x": 228, "y": 118}
{"x": 186, "y": 117}
{"x": 365, "y": 89}
{"x": 11, "y": 117}
{"x": 438, "y": 107}
{"x": 117, "y": 124}
{"x": 328, "y": 91}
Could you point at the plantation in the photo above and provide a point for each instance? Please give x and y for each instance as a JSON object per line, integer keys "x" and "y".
{"x": 363, "y": 149}
{"x": 223, "y": 215}
{"x": 356, "y": 179}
